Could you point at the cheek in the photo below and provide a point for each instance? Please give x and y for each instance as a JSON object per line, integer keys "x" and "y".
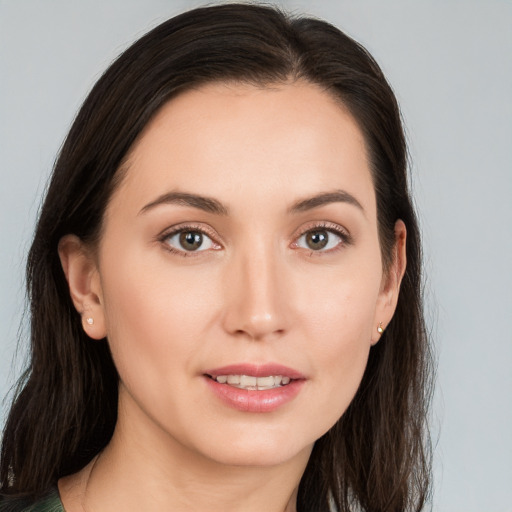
{"x": 340, "y": 311}
{"x": 155, "y": 317}
{"x": 339, "y": 324}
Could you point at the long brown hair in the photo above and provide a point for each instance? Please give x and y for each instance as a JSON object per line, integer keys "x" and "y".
{"x": 377, "y": 456}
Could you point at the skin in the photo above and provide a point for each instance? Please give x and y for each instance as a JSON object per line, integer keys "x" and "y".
{"x": 257, "y": 293}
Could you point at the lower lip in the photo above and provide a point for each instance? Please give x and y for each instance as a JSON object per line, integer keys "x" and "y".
{"x": 249, "y": 400}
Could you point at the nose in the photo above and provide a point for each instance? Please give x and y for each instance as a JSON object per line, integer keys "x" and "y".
{"x": 256, "y": 304}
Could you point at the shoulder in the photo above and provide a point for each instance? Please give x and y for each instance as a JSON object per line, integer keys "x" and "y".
{"x": 50, "y": 502}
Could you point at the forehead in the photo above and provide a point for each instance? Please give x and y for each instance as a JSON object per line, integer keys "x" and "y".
{"x": 227, "y": 138}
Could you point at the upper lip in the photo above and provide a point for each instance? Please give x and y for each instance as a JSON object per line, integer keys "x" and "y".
{"x": 256, "y": 370}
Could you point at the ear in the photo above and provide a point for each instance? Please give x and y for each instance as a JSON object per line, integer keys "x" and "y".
{"x": 84, "y": 283}
{"x": 391, "y": 280}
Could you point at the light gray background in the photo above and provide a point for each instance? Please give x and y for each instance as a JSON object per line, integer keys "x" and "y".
{"x": 450, "y": 63}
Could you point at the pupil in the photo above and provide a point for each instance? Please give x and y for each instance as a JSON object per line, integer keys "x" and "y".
{"x": 317, "y": 239}
{"x": 191, "y": 240}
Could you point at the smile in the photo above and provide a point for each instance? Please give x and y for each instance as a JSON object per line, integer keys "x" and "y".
{"x": 255, "y": 388}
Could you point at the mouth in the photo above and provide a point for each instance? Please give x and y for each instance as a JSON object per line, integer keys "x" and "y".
{"x": 255, "y": 388}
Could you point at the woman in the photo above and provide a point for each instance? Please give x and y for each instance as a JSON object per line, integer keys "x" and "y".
{"x": 225, "y": 284}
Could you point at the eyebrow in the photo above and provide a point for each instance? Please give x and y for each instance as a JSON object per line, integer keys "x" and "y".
{"x": 207, "y": 204}
{"x": 338, "y": 196}
{"x": 211, "y": 205}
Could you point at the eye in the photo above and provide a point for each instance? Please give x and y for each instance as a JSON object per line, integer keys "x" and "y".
{"x": 319, "y": 240}
{"x": 189, "y": 240}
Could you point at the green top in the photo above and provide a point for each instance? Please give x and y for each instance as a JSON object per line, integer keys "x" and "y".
{"x": 48, "y": 503}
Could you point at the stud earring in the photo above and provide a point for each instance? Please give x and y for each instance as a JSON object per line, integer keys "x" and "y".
{"x": 380, "y": 329}
{"x": 90, "y": 321}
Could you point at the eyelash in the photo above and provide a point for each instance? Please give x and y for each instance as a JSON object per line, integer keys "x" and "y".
{"x": 331, "y": 228}
{"x": 335, "y": 229}
{"x": 184, "y": 228}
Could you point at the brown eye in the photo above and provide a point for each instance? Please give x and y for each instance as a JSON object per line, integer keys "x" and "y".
{"x": 188, "y": 240}
{"x": 191, "y": 240}
{"x": 320, "y": 240}
{"x": 317, "y": 240}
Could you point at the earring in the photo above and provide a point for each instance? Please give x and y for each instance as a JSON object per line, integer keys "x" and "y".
{"x": 90, "y": 321}
{"x": 380, "y": 329}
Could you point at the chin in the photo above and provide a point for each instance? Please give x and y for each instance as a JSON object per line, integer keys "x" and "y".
{"x": 255, "y": 446}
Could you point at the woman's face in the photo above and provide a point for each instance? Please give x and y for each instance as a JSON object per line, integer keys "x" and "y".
{"x": 239, "y": 277}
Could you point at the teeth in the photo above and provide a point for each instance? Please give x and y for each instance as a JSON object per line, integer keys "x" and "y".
{"x": 234, "y": 379}
{"x": 266, "y": 382}
{"x": 253, "y": 383}
{"x": 247, "y": 381}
